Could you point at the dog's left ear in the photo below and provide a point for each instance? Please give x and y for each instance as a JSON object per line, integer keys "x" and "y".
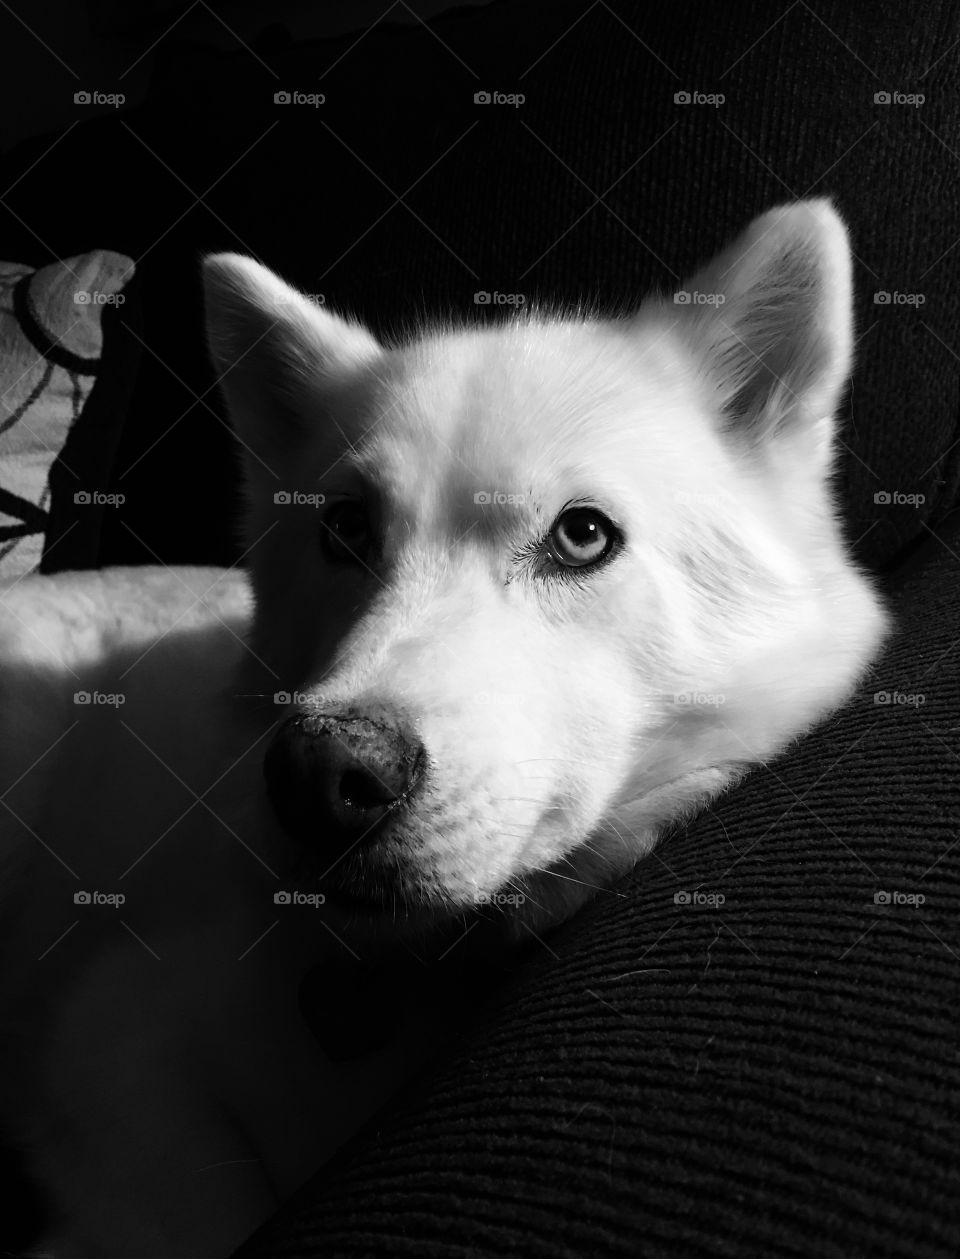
{"x": 770, "y": 322}
{"x": 282, "y": 360}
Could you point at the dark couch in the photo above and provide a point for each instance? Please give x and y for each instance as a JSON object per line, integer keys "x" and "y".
{"x": 779, "y": 1075}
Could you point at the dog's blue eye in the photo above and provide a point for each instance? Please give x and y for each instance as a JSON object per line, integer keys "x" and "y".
{"x": 346, "y": 533}
{"x": 581, "y": 536}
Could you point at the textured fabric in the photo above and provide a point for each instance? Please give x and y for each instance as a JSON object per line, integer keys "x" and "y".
{"x": 399, "y": 196}
{"x": 88, "y": 458}
{"x": 776, "y": 1074}
{"x": 50, "y": 342}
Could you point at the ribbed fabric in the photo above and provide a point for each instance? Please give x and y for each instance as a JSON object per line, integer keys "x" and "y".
{"x": 779, "y": 1075}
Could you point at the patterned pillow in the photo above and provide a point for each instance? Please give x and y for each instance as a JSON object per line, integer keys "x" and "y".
{"x": 50, "y": 343}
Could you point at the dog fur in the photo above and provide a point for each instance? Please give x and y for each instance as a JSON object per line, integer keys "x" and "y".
{"x": 565, "y": 713}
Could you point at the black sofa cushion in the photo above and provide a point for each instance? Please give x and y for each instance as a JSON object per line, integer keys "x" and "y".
{"x": 777, "y": 1074}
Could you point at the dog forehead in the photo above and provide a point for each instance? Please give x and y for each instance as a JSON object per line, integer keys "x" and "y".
{"x": 506, "y": 409}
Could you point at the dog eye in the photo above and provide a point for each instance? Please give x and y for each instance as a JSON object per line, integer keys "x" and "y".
{"x": 581, "y": 536}
{"x": 346, "y": 533}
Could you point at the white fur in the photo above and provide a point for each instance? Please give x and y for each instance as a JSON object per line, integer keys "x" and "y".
{"x": 565, "y": 722}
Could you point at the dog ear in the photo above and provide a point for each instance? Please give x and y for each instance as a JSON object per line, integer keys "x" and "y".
{"x": 283, "y": 361}
{"x": 770, "y": 322}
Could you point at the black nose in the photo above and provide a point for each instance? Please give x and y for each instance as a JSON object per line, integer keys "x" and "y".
{"x": 331, "y": 779}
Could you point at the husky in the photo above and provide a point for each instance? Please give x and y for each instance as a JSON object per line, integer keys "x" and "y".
{"x": 514, "y": 599}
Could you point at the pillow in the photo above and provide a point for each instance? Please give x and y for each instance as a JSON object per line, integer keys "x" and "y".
{"x": 50, "y": 346}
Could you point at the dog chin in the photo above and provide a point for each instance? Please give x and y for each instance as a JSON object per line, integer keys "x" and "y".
{"x": 381, "y": 896}
{"x": 365, "y": 890}
{"x": 371, "y": 896}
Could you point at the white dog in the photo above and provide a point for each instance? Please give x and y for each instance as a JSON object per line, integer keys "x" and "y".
{"x": 518, "y": 597}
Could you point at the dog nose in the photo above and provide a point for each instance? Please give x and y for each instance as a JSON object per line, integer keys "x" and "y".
{"x": 331, "y": 779}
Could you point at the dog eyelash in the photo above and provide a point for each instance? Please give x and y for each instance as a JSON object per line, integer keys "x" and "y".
{"x": 534, "y": 555}
{"x": 527, "y": 558}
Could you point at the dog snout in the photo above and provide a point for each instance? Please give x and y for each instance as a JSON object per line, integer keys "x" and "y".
{"x": 332, "y": 779}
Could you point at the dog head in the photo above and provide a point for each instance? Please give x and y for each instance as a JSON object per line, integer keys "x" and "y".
{"x": 537, "y": 588}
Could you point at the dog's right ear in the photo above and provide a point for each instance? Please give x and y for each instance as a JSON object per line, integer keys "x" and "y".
{"x": 282, "y": 360}
{"x": 770, "y": 323}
